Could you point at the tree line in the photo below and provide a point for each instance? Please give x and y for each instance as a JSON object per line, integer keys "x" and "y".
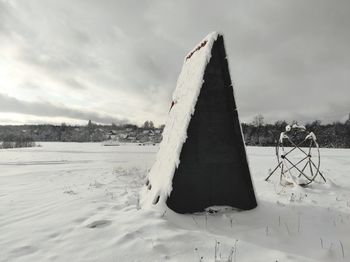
{"x": 256, "y": 133}
{"x": 335, "y": 135}
{"x": 12, "y": 136}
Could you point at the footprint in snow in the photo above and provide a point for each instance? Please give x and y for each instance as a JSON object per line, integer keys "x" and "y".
{"x": 24, "y": 250}
{"x": 99, "y": 223}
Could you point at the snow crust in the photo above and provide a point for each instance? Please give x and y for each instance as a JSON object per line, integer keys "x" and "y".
{"x": 79, "y": 202}
{"x": 175, "y": 132}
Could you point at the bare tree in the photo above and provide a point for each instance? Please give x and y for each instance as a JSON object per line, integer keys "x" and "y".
{"x": 258, "y": 120}
{"x": 151, "y": 125}
{"x": 146, "y": 125}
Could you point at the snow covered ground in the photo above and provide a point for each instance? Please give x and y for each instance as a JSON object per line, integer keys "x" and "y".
{"x": 79, "y": 202}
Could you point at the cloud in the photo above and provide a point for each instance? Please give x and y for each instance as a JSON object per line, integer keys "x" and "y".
{"x": 74, "y": 83}
{"x": 288, "y": 59}
{"x": 13, "y": 105}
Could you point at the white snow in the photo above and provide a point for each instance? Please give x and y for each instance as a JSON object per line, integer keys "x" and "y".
{"x": 175, "y": 132}
{"x": 79, "y": 202}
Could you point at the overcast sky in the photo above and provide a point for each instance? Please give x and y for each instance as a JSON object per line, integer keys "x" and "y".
{"x": 109, "y": 61}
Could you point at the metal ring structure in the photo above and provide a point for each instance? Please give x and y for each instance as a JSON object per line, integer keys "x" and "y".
{"x": 297, "y": 169}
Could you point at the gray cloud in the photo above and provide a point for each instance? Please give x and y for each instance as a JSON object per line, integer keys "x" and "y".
{"x": 74, "y": 83}
{"x": 289, "y": 59}
{"x": 13, "y": 105}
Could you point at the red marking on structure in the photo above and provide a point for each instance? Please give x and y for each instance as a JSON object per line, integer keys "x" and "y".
{"x": 172, "y": 104}
{"x": 197, "y": 48}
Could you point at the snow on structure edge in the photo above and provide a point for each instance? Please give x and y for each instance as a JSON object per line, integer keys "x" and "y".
{"x": 159, "y": 181}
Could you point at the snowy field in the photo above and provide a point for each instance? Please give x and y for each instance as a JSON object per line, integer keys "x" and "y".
{"x": 79, "y": 202}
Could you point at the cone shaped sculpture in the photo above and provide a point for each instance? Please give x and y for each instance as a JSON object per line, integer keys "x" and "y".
{"x": 202, "y": 160}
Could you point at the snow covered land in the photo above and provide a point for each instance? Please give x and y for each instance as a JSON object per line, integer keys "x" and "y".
{"x": 80, "y": 202}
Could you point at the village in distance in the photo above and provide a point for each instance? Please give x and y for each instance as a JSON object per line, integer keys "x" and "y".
{"x": 256, "y": 133}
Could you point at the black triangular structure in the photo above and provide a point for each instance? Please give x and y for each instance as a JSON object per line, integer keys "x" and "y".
{"x": 213, "y": 167}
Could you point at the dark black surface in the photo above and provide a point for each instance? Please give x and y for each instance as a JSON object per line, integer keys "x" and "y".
{"x": 213, "y": 166}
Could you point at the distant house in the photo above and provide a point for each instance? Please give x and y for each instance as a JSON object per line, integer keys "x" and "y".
{"x": 123, "y": 136}
{"x": 112, "y": 134}
{"x": 131, "y": 138}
